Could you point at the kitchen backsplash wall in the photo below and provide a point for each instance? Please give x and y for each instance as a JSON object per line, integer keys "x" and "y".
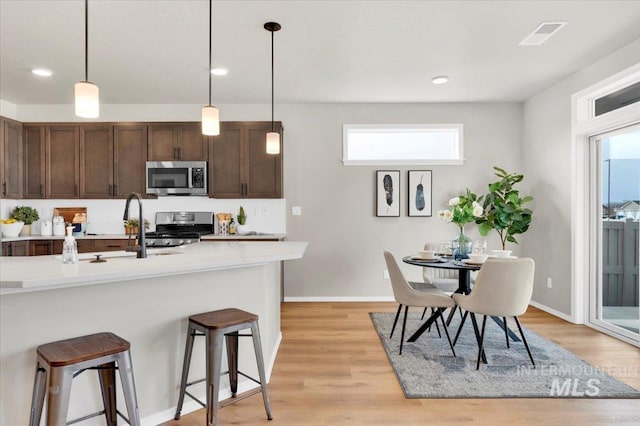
{"x": 105, "y": 216}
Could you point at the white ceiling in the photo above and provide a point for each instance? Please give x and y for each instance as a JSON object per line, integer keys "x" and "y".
{"x": 148, "y": 52}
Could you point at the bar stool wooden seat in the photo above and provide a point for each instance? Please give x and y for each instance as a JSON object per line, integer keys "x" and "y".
{"x": 214, "y": 326}
{"x": 59, "y": 362}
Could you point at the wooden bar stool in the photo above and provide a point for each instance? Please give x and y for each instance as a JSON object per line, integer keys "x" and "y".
{"x": 59, "y": 362}
{"x": 214, "y": 326}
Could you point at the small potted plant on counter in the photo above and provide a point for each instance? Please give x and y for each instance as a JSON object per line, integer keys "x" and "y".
{"x": 242, "y": 220}
{"x": 25, "y": 214}
{"x": 132, "y": 226}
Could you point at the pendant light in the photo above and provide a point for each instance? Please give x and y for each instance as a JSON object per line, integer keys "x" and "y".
{"x": 86, "y": 93}
{"x": 210, "y": 114}
{"x": 273, "y": 137}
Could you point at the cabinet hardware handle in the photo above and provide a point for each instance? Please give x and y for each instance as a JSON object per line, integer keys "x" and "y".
{"x": 75, "y": 189}
{"x": 4, "y": 189}
{"x": 41, "y": 191}
{"x": 175, "y": 153}
{"x": 179, "y": 153}
{"x": 110, "y": 189}
{"x": 115, "y": 190}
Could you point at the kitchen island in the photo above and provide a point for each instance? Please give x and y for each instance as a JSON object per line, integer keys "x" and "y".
{"x": 146, "y": 301}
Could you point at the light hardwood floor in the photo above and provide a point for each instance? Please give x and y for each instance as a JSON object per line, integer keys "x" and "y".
{"x": 331, "y": 369}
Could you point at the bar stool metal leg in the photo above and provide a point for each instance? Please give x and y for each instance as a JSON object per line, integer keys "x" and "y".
{"x": 59, "y": 393}
{"x": 185, "y": 369}
{"x": 37, "y": 400}
{"x": 232, "y": 361}
{"x": 257, "y": 346}
{"x": 107, "y": 375}
{"x": 214, "y": 355}
{"x": 129, "y": 387}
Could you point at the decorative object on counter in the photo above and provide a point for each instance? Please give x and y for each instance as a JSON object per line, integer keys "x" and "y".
{"x": 419, "y": 197}
{"x": 11, "y": 227}
{"x": 387, "y": 193}
{"x": 46, "y": 228}
{"x": 70, "y": 247}
{"x": 210, "y": 114}
{"x": 273, "y": 137}
{"x": 58, "y": 226}
{"x": 232, "y": 227}
{"x": 504, "y": 210}
{"x": 242, "y": 228}
{"x": 25, "y": 214}
{"x": 462, "y": 210}
{"x": 87, "y": 93}
{"x": 132, "y": 226}
{"x": 223, "y": 223}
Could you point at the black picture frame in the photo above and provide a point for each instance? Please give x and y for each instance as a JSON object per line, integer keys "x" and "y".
{"x": 388, "y": 193}
{"x": 419, "y": 188}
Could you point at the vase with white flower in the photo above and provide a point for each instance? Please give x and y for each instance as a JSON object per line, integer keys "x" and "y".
{"x": 462, "y": 210}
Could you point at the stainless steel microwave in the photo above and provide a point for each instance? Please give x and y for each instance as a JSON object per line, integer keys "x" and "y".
{"x": 177, "y": 177}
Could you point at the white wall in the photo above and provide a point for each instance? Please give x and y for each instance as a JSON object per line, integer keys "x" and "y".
{"x": 546, "y": 154}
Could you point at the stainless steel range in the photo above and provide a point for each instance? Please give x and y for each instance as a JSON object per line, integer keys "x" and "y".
{"x": 179, "y": 228}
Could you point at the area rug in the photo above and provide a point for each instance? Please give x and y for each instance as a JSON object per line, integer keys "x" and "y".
{"x": 428, "y": 369}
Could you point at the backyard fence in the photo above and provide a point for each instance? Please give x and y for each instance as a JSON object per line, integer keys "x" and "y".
{"x": 620, "y": 258}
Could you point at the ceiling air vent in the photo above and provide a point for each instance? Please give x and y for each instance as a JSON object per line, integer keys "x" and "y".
{"x": 542, "y": 33}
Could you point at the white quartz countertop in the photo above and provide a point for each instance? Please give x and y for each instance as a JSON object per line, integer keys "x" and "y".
{"x": 38, "y": 273}
{"x": 254, "y": 236}
{"x": 57, "y": 237}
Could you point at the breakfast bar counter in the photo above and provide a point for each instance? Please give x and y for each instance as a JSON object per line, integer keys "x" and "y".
{"x": 146, "y": 301}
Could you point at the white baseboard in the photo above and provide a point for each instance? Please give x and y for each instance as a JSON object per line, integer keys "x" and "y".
{"x": 341, "y": 299}
{"x": 552, "y": 311}
{"x": 190, "y": 405}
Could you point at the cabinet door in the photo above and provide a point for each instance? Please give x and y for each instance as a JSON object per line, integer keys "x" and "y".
{"x": 96, "y": 161}
{"x": 110, "y": 245}
{"x": 162, "y": 141}
{"x": 20, "y": 248}
{"x": 34, "y": 153}
{"x": 85, "y": 246}
{"x": 262, "y": 171}
{"x": 225, "y": 175}
{"x": 57, "y": 246}
{"x": 12, "y": 159}
{"x": 6, "y": 249}
{"x": 130, "y": 156}
{"x": 40, "y": 248}
{"x": 192, "y": 144}
{"x": 63, "y": 174}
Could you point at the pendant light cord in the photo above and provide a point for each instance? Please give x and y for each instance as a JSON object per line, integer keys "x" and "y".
{"x": 210, "y": 42}
{"x": 272, "y": 91}
{"x": 86, "y": 40}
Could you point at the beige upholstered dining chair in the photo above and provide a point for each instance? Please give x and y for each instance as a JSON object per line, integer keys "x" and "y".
{"x": 408, "y": 296}
{"x": 503, "y": 289}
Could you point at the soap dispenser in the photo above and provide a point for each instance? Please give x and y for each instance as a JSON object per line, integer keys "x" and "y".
{"x": 69, "y": 248}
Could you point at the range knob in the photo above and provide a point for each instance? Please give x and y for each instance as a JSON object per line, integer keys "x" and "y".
{"x": 167, "y": 242}
{"x": 151, "y": 243}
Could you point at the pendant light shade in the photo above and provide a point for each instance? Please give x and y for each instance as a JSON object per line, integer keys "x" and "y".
{"x": 87, "y": 100}
{"x": 87, "y": 94}
{"x": 210, "y": 114}
{"x": 210, "y": 121}
{"x": 273, "y": 137}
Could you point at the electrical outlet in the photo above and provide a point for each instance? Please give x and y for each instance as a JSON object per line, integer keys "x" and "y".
{"x": 549, "y": 283}
{"x": 296, "y": 211}
{"x": 257, "y": 211}
{"x": 385, "y": 274}
{"x": 265, "y": 212}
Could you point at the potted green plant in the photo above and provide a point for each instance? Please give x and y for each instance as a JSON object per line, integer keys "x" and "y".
{"x": 25, "y": 214}
{"x": 132, "y": 226}
{"x": 504, "y": 208}
{"x": 242, "y": 222}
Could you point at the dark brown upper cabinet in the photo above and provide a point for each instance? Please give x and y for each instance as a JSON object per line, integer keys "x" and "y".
{"x": 176, "y": 142}
{"x": 11, "y": 158}
{"x": 130, "y": 157}
{"x": 34, "y": 149}
{"x": 96, "y": 161}
{"x": 239, "y": 166}
{"x": 62, "y": 162}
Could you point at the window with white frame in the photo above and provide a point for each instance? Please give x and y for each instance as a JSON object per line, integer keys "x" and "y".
{"x": 398, "y": 144}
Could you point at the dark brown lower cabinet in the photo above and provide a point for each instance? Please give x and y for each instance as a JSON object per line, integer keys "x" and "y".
{"x": 47, "y": 247}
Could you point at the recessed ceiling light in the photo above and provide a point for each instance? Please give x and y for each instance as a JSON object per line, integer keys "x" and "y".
{"x": 219, "y": 71}
{"x": 42, "y": 72}
{"x": 441, "y": 79}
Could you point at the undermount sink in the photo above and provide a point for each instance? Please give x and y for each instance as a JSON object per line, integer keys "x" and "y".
{"x": 88, "y": 257}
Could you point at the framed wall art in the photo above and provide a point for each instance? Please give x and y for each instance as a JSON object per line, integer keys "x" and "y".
{"x": 388, "y": 193}
{"x": 419, "y": 193}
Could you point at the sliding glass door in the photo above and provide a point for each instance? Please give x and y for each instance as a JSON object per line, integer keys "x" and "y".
{"x": 615, "y": 247}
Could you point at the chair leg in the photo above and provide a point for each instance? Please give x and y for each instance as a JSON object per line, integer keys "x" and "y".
{"x": 185, "y": 369}
{"x": 464, "y": 318}
{"x": 433, "y": 311}
{"x": 257, "y": 348}
{"x": 396, "y": 320}
{"x": 232, "y": 361}
{"x": 404, "y": 325}
{"x": 526, "y": 345}
{"x": 107, "y": 376}
{"x": 477, "y": 332}
{"x": 484, "y": 323}
{"x": 450, "y": 317}
{"x": 125, "y": 367}
{"x": 424, "y": 311}
{"x": 39, "y": 391}
{"x": 506, "y": 330}
{"x": 446, "y": 331}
